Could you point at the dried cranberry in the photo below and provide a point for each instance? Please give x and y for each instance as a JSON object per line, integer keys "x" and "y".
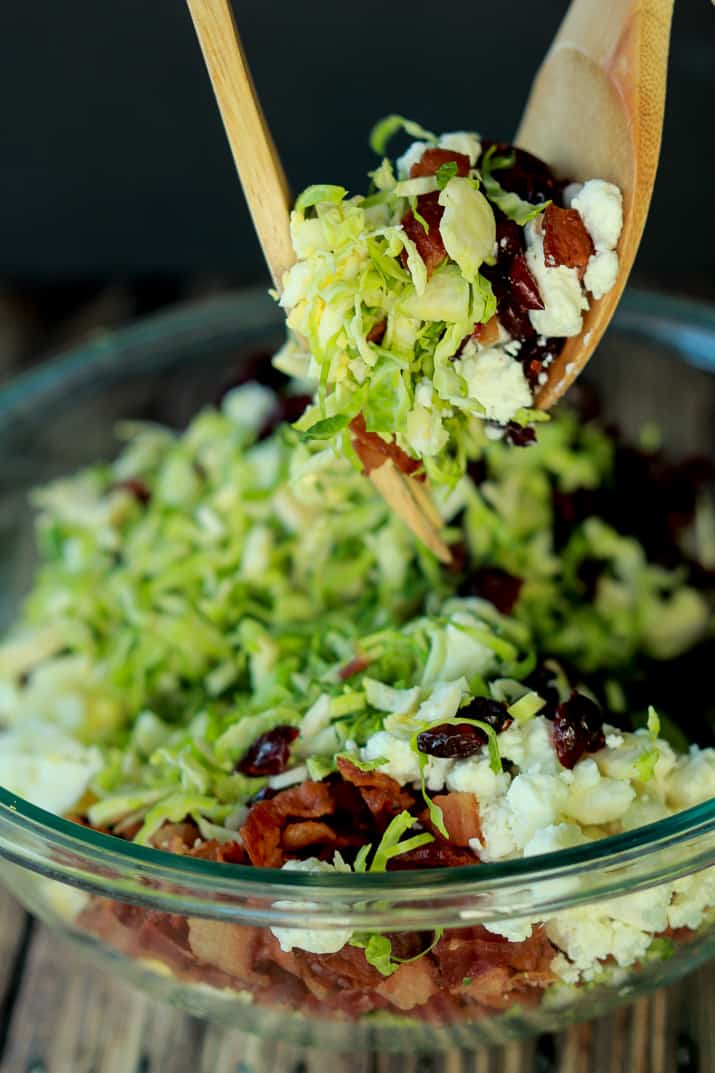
{"x": 510, "y": 241}
{"x": 528, "y": 177}
{"x": 288, "y": 409}
{"x": 477, "y": 470}
{"x": 519, "y": 435}
{"x": 491, "y": 712}
{"x": 451, "y": 740}
{"x": 135, "y": 486}
{"x": 496, "y": 586}
{"x": 514, "y": 318}
{"x": 524, "y": 284}
{"x": 269, "y": 754}
{"x": 578, "y": 729}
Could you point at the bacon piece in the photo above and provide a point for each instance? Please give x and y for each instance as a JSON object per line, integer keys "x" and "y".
{"x": 410, "y": 985}
{"x": 469, "y": 952}
{"x": 232, "y": 948}
{"x": 382, "y": 794}
{"x": 433, "y": 158}
{"x": 461, "y": 817}
{"x": 262, "y": 831}
{"x": 429, "y": 243}
{"x": 377, "y": 332}
{"x": 435, "y": 854}
{"x": 176, "y": 837}
{"x": 223, "y": 852}
{"x": 373, "y": 451}
{"x": 524, "y": 284}
{"x": 488, "y": 333}
{"x": 355, "y": 666}
{"x": 566, "y": 240}
{"x": 297, "y": 836}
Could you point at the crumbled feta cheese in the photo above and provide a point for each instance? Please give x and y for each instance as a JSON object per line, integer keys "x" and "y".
{"x": 601, "y": 273}
{"x": 692, "y": 779}
{"x": 475, "y": 776}
{"x": 314, "y": 940}
{"x": 600, "y": 206}
{"x": 594, "y": 800}
{"x": 560, "y": 289}
{"x": 536, "y": 801}
{"x": 41, "y": 763}
{"x": 553, "y": 838}
{"x": 494, "y": 379}
{"x": 516, "y": 931}
{"x": 411, "y": 156}
{"x": 401, "y": 763}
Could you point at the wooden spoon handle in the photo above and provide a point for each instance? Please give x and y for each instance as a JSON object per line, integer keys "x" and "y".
{"x": 254, "y": 153}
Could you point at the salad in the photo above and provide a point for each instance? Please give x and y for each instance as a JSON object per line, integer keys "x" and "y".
{"x": 425, "y": 315}
{"x": 232, "y": 650}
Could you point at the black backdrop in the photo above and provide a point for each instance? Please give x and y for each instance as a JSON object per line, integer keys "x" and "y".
{"x": 113, "y": 162}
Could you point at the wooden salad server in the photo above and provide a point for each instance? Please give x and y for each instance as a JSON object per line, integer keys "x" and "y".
{"x": 596, "y": 111}
{"x": 268, "y": 196}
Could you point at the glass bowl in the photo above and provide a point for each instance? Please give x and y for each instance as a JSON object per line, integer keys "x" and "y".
{"x": 191, "y": 931}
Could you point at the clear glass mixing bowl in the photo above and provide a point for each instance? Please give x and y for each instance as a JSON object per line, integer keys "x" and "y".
{"x": 188, "y": 930}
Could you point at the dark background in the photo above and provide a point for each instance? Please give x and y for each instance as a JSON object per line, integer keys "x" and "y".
{"x": 113, "y": 164}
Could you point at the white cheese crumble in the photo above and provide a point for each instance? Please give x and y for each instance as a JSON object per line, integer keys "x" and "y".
{"x": 314, "y": 940}
{"x": 41, "y": 763}
{"x": 495, "y": 379}
{"x": 600, "y": 206}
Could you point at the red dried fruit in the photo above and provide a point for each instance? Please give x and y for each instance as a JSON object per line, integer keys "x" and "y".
{"x": 432, "y": 160}
{"x": 451, "y": 740}
{"x": 578, "y": 729}
{"x": 429, "y": 243}
{"x": 496, "y": 586}
{"x": 520, "y": 435}
{"x": 377, "y": 332}
{"x": 355, "y": 666}
{"x": 492, "y": 712}
{"x": 510, "y": 241}
{"x": 523, "y": 284}
{"x": 566, "y": 240}
{"x": 529, "y": 177}
{"x": 373, "y": 451}
{"x": 269, "y": 754}
{"x": 486, "y": 334}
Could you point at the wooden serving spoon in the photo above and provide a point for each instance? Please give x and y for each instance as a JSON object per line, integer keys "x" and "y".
{"x": 268, "y": 196}
{"x": 596, "y": 111}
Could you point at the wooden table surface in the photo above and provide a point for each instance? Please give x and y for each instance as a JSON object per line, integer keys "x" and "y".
{"x": 60, "y": 1014}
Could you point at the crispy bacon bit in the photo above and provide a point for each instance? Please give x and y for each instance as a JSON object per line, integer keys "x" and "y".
{"x": 373, "y": 451}
{"x": 307, "y": 833}
{"x": 410, "y": 986}
{"x": 429, "y": 243}
{"x": 566, "y": 240}
{"x": 461, "y": 817}
{"x": 466, "y": 953}
{"x": 486, "y": 334}
{"x": 578, "y": 729}
{"x": 232, "y": 948}
{"x": 519, "y": 435}
{"x": 355, "y": 666}
{"x": 377, "y": 332}
{"x": 496, "y": 586}
{"x": 437, "y": 854}
{"x": 135, "y": 486}
{"x": 269, "y": 754}
{"x": 382, "y": 794}
{"x": 223, "y": 852}
{"x": 262, "y": 831}
{"x": 524, "y": 284}
{"x": 433, "y": 158}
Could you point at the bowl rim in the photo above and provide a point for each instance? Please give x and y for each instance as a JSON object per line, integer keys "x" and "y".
{"x": 30, "y": 836}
